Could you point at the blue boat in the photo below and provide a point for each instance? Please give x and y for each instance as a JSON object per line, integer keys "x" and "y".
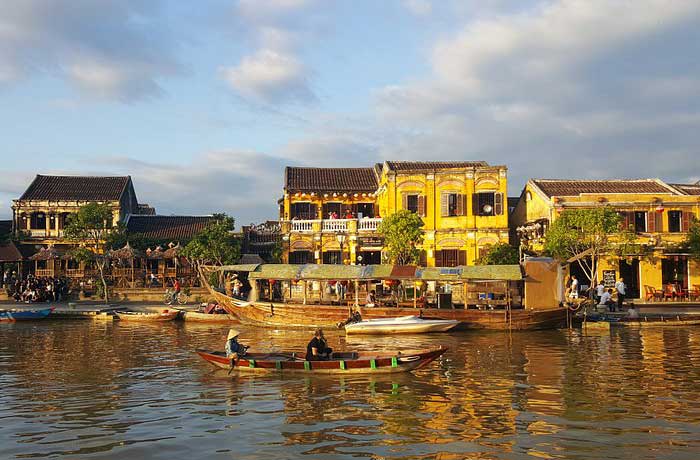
{"x": 24, "y": 315}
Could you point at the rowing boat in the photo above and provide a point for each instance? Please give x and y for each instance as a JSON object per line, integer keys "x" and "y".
{"x": 401, "y": 325}
{"x": 201, "y": 317}
{"x": 24, "y": 315}
{"x": 167, "y": 315}
{"x": 340, "y": 363}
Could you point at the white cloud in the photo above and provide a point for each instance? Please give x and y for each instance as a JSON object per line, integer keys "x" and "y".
{"x": 269, "y": 77}
{"x": 113, "y": 49}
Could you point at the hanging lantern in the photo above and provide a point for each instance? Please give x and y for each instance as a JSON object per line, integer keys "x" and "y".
{"x": 659, "y": 208}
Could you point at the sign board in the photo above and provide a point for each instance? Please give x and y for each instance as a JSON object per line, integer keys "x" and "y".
{"x": 371, "y": 241}
{"x": 609, "y": 278}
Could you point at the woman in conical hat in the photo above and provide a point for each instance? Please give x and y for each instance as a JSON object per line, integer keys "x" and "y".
{"x": 234, "y": 349}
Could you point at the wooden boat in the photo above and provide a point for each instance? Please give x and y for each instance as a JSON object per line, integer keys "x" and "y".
{"x": 167, "y": 315}
{"x": 402, "y": 325}
{"x": 340, "y": 363}
{"x": 202, "y": 317}
{"x": 658, "y": 321}
{"x": 310, "y": 316}
{"x": 24, "y": 315}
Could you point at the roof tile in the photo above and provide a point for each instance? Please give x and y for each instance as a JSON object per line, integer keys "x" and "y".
{"x": 430, "y": 165}
{"x": 330, "y": 179}
{"x": 170, "y": 228}
{"x": 557, "y": 187}
{"x": 78, "y": 188}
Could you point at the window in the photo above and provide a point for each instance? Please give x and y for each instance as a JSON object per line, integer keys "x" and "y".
{"x": 450, "y": 258}
{"x": 333, "y": 209}
{"x": 640, "y": 221}
{"x": 412, "y": 203}
{"x": 487, "y": 204}
{"x": 452, "y": 204}
{"x": 38, "y": 221}
{"x": 363, "y": 210}
{"x": 304, "y": 211}
{"x": 301, "y": 257}
{"x": 675, "y": 221}
{"x": 332, "y": 257}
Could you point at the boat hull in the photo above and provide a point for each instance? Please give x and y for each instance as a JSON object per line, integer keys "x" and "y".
{"x": 400, "y": 326}
{"x": 288, "y": 363}
{"x": 24, "y": 315}
{"x": 310, "y": 316}
{"x": 197, "y": 317}
{"x": 146, "y": 317}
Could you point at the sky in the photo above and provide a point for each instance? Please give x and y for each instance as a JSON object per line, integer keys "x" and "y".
{"x": 204, "y": 103}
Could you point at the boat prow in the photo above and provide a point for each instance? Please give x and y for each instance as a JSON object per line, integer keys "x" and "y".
{"x": 24, "y": 315}
{"x": 401, "y": 325}
{"x": 340, "y": 363}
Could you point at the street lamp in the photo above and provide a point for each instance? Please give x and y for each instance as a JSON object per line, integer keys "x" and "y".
{"x": 341, "y": 240}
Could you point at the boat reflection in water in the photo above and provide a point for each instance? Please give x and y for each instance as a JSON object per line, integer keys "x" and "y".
{"x": 88, "y": 389}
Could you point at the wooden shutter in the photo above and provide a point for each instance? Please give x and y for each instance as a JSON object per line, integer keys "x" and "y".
{"x": 404, "y": 201}
{"x": 685, "y": 225}
{"x": 460, "y": 205}
{"x": 659, "y": 224}
{"x": 376, "y": 210}
{"x": 497, "y": 204}
{"x": 651, "y": 222}
{"x": 423, "y": 258}
{"x": 461, "y": 257}
{"x": 475, "y": 204}
{"x": 445, "y": 204}
{"x": 421, "y": 205}
{"x": 438, "y": 258}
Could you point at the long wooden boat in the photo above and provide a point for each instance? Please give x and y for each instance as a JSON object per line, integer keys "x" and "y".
{"x": 201, "y": 317}
{"x": 24, "y": 315}
{"x": 658, "y": 321}
{"x": 167, "y": 315}
{"x": 340, "y": 363}
{"x": 401, "y": 325}
{"x": 309, "y": 316}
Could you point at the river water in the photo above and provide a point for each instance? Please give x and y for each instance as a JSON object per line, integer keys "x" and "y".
{"x": 98, "y": 390}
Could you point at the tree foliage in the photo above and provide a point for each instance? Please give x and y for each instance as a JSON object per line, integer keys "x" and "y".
{"x": 92, "y": 227}
{"x": 692, "y": 240}
{"x": 589, "y": 231}
{"x": 499, "y": 254}
{"x": 215, "y": 244}
{"x": 402, "y": 232}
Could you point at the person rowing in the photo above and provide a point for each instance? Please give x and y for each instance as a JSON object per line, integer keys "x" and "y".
{"x": 318, "y": 349}
{"x": 234, "y": 349}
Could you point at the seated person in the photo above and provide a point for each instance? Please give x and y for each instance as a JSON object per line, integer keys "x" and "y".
{"x": 318, "y": 349}
{"x": 371, "y": 300}
{"x": 607, "y": 301}
{"x": 234, "y": 350}
{"x": 632, "y": 313}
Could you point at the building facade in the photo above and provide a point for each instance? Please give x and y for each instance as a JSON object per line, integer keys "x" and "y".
{"x": 331, "y": 215}
{"x": 658, "y": 213}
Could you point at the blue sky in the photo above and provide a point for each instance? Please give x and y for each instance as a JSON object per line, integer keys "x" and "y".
{"x": 204, "y": 103}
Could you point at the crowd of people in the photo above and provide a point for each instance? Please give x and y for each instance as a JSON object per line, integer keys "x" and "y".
{"x": 32, "y": 289}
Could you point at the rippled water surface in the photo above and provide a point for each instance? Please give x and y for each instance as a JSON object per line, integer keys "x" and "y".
{"x": 107, "y": 390}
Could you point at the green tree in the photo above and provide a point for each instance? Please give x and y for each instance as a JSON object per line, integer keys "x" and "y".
{"x": 499, "y": 254}
{"x": 92, "y": 229}
{"x": 215, "y": 244}
{"x": 692, "y": 240}
{"x": 584, "y": 234}
{"x": 402, "y": 232}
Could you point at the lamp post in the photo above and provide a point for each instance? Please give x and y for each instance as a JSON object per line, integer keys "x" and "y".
{"x": 341, "y": 241}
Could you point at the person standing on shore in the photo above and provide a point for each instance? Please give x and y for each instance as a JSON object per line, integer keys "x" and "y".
{"x": 600, "y": 289}
{"x": 621, "y": 289}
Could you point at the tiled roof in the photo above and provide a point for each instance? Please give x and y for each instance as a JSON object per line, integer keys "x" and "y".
{"x": 556, "y": 187}
{"x": 430, "y": 165}
{"x": 76, "y": 188}
{"x": 170, "y": 228}
{"x": 688, "y": 189}
{"x": 9, "y": 252}
{"x": 330, "y": 179}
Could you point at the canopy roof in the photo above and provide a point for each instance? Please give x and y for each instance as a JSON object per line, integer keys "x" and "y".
{"x": 126, "y": 253}
{"x": 47, "y": 254}
{"x": 368, "y": 272}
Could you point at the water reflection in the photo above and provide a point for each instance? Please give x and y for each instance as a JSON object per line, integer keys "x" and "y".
{"x": 113, "y": 390}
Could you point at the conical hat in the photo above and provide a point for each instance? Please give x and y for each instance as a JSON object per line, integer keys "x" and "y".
{"x": 232, "y": 333}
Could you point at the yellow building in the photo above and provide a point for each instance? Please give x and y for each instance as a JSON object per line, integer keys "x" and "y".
{"x": 659, "y": 213}
{"x": 330, "y": 215}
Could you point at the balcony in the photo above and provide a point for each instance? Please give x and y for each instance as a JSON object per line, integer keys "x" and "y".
{"x": 331, "y": 225}
{"x": 43, "y": 233}
{"x": 368, "y": 225}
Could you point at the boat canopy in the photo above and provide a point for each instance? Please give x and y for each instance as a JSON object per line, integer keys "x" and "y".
{"x": 237, "y": 268}
{"x": 370, "y": 272}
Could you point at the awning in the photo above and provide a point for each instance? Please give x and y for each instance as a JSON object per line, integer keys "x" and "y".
{"x": 467, "y": 272}
{"x": 237, "y": 268}
{"x": 331, "y": 272}
{"x": 276, "y": 272}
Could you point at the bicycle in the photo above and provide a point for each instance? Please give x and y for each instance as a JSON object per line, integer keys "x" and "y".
{"x": 171, "y": 297}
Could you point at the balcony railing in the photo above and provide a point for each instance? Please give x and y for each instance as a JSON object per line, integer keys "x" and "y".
{"x": 303, "y": 226}
{"x": 368, "y": 225}
{"x": 43, "y": 233}
{"x": 333, "y": 225}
